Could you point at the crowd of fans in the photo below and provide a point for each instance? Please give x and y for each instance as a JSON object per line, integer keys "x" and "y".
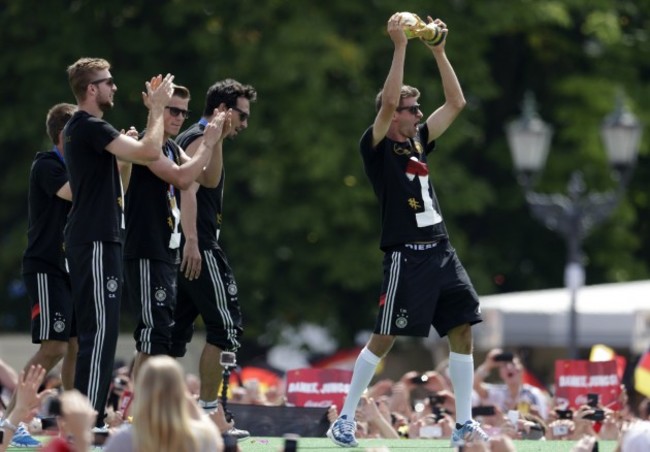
{"x": 418, "y": 405}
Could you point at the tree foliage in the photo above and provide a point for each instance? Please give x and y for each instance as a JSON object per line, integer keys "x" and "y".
{"x": 301, "y": 223}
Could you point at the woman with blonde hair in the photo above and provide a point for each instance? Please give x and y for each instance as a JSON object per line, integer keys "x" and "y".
{"x": 165, "y": 416}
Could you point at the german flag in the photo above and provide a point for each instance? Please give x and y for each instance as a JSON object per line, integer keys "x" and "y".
{"x": 642, "y": 375}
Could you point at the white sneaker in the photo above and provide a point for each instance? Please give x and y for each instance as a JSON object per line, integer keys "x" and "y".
{"x": 22, "y": 438}
{"x": 342, "y": 431}
{"x": 469, "y": 431}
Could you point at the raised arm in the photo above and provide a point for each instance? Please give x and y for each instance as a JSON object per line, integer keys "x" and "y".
{"x": 211, "y": 176}
{"x": 392, "y": 86}
{"x": 184, "y": 175}
{"x": 148, "y": 149}
{"x": 442, "y": 118}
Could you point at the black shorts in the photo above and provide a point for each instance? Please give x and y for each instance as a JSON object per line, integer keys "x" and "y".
{"x": 150, "y": 287}
{"x": 52, "y": 308}
{"x": 214, "y": 296}
{"x": 425, "y": 287}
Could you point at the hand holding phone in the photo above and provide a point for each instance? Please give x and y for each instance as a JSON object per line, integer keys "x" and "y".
{"x": 593, "y": 400}
{"x": 419, "y": 379}
{"x": 504, "y": 357}
{"x": 483, "y": 410}
{"x": 564, "y": 414}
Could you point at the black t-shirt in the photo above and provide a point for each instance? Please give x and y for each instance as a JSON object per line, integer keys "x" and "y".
{"x": 46, "y": 215}
{"x": 399, "y": 176}
{"x": 209, "y": 201}
{"x": 149, "y": 218}
{"x": 97, "y": 202}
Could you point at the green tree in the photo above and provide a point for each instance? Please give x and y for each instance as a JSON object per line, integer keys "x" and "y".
{"x": 301, "y": 224}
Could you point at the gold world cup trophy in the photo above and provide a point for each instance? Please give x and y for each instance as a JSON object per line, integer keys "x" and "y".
{"x": 414, "y": 27}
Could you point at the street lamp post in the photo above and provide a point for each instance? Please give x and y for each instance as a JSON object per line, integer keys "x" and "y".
{"x": 575, "y": 214}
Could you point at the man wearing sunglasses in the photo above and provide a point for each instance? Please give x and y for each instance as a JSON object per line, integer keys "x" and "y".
{"x": 95, "y": 226}
{"x": 424, "y": 283}
{"x": 211, "y": 292}
{"x": 153, "y": 238}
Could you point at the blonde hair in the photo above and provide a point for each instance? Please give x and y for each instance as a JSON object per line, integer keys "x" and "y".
{"x": 82, "y": 72}
{"x": 161, "y": 416}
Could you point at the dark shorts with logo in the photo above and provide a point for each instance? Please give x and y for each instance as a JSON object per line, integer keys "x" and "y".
{"x": 150, "y": 288}
{"x": 424, "y": 286}
{"x": 52, "y": 313}
{"x": 213, "y": 296}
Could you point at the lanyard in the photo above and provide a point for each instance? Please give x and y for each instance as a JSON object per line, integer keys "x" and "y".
{"x": 58, "y": 154}
{"x": 170, "y": 154}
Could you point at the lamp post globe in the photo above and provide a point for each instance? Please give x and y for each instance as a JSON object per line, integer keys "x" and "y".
{"x": 529, "y": 139}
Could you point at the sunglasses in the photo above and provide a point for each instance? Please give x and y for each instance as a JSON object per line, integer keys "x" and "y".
{"x": 243, "y": 116}
{"x": 109, "y": 81}
{"x": 413, "y": 109}
{"x": 178, "y": 111}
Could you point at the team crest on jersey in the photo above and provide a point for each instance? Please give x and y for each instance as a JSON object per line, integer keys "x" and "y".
{"x": 402, "y": 319}
{"x": 160, "y": 294}
{"x": 401, "y": 150}
{"x": 232, "y": 289}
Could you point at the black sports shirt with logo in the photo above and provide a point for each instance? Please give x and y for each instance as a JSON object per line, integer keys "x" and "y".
{"x": 46, "y": 215}
{"x": 149, "y": 218}
{"x": 209, "y": 201}
{"x": 97, "y": 202}
{"x": 399, "y": 176}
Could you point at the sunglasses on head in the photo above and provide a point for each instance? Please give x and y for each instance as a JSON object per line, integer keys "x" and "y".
{"x": 109, "y": 81}
{"x": 413, "y": 109}
{"x": 243, "y": 116}
{"x": 174, "y": 111}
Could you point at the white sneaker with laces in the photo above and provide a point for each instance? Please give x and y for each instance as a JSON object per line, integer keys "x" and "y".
{"x": 469, "y": 431}
{"x": 22, "y": 438}
{"x": 342, "y": 431}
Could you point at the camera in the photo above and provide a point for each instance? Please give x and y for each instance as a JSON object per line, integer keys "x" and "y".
{"x": 483, "y": 410}
{"x": 564, "y": 414}
{"x": 419, "y": 379}
{"x": 438, "y": 413}
{"x": 504, "y": 357}
{"x": 435, "y": 399}
{"x": 593, "y": 400}
{"x": 228, "y": 359}
{"x": 598, "y": 415}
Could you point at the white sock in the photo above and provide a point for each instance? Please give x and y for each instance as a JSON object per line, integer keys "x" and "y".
{"x": 209, "y": 406}
{"x": 364, "y": 370}
{"x": 461, "y": 372}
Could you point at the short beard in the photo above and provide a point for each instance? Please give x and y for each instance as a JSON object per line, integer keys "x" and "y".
{"x": 105, "y": 106}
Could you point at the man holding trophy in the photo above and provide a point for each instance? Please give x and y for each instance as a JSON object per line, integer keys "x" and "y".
{"x": 424, "y": 283}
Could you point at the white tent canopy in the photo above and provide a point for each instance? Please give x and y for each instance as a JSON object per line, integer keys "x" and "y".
{"x": 617, "y": 315}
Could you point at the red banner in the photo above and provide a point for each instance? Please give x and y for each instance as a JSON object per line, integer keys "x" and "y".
{"x": 574, "y": 379}
{"x": 317, "y": 387}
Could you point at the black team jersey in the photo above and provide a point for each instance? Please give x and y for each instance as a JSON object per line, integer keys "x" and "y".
{"x": 46, "y": 215}
{"x": 209, "y": 201}
{"x": 149, "y": 219}
{"x": 97, "y": 202}
{"x": 399, "y": 176}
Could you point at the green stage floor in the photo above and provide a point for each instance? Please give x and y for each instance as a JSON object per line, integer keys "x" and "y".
{"x": 262, "y": 444}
